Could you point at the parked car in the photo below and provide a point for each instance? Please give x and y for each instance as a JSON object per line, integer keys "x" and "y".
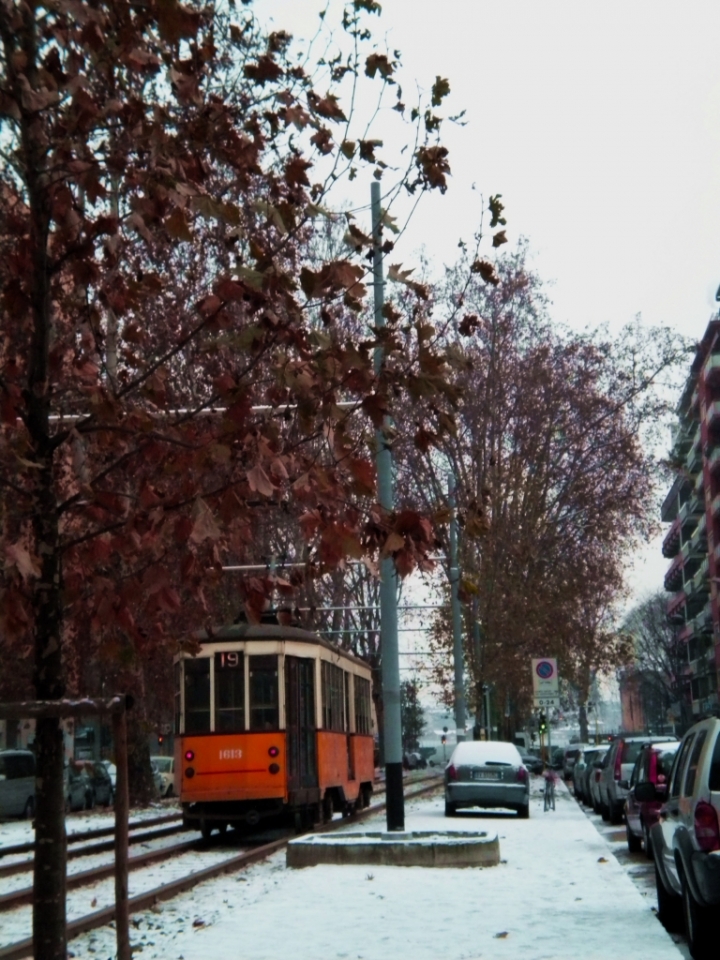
{"x": 594, "y": 775}
{"x": 570, "y": 755}
{"x": 533, "y": 763}
{"x": 165, "y": 767}
{"x": 686, "y": 839}
{"x": 17, "y": 784}
{"x": 652, "y": 766}
{"x": 100, "y": 782}
{"x": 617, "y": 767}
{"x": 112, "y": 771}
{"x": 484, "y": 773}
{"x": 581, "y": 769}
{"x": 78, "y": 788}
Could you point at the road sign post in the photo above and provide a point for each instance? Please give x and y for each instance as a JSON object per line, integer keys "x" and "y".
{"x": 546, "y": 691}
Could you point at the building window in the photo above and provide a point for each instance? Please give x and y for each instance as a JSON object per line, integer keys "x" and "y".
{"x": 264, "y": 714}
{"x": 229, "y": 692}
{"x": 363, "y": 714}
{"x": 197, "y": 695}
{"x": 333, "y": 690}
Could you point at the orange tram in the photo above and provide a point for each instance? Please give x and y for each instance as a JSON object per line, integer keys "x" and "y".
{"x": 271, "y": 720}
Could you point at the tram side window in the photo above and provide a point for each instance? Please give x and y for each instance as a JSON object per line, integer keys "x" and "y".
{"x": 264, "y": 714}
{"x": 333, "y": 690}
{"x": 229, "y": 692}
{"x": 197, "y": 695}
{"x": 363, "y": 716}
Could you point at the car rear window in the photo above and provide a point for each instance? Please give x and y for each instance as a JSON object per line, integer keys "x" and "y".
{"x": 715, "y": 767}
{"x": 482, "y": 752}
{"x": 693, "y": 764}
{"x": 664, "y": 763}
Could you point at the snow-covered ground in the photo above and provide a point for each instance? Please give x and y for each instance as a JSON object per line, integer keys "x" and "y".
{"x": 558, "y": 893}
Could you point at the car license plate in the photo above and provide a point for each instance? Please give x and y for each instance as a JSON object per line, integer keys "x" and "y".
{"x": 485, "y": 775}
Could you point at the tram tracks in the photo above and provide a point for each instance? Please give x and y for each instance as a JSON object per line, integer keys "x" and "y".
{"x": 166, "y": 891}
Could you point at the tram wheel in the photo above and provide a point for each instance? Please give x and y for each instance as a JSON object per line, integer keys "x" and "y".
{"x": 327, "y": 808}
{"x": 206, "y": 829}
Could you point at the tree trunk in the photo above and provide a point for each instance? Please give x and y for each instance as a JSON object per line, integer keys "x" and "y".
{"x": 49, "y": 933}
{"x": 583, "y": 721}
{"x": 140, "y": 777}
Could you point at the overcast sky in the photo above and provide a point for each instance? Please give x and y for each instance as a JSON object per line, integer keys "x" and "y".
{"x": 600, "y": 126}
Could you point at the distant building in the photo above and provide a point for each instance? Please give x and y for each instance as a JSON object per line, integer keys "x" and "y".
{"x": 692, "y": 508}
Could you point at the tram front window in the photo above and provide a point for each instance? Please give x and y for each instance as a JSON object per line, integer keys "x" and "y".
{"x": 229, "y": 692}
{"x": 264, "y": 713}
{"x": 197, "y": 695}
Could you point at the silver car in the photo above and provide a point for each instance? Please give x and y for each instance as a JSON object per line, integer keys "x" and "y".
{"x": 17, "y": 783}
{"x": 486, "y": 774}
{"x": 686, "y": 840}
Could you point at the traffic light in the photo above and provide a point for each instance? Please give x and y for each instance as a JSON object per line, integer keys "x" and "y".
{"x": 160, "y": 739}
{"x": 542, "y": 723}
{"x": 443, "y": 738}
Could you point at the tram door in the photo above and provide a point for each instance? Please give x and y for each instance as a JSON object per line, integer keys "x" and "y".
{"x": 300, "y": 722}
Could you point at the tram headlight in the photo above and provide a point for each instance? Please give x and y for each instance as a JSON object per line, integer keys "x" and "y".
{"x": 189, "y": 755}
{"x": 274, "y": 751}
{"x": 190, "y": 773}
{"x": 274, "y": 768}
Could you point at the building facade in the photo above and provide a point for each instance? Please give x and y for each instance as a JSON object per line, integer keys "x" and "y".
{"x": 692, "y": 508}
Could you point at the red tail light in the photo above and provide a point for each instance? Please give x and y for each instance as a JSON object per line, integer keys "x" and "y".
{"x": 522, "y": 774}
{"x": 707, "y": 829}
{"x": 452, "y": 773}
{"x": 617, "y": 773}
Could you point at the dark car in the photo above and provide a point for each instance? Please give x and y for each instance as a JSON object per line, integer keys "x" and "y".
{"x": 79, "y": 793}
{"x": 686, "y": 840}
{"x": 533, "y": 763}
{"x": 652, "y": 766}
{"x": 100, "y": 782}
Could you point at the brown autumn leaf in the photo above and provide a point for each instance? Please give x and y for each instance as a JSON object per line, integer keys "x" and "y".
{"x": 259, "y": 481}
{"x": 204, "y": 525}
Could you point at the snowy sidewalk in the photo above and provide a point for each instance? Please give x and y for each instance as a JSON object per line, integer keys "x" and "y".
{"x": 559, "y": 893}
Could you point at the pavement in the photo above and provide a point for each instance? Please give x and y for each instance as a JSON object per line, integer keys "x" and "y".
{"x": 558, "y": 893}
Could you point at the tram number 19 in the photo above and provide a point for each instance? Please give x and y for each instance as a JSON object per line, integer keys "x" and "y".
{"x": 230, "y": 660}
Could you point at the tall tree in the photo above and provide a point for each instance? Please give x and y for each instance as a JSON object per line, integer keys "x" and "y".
{"x": 657, "y": 662}
{"x": 163, "y": 375}
{"x": 554, "y": 482}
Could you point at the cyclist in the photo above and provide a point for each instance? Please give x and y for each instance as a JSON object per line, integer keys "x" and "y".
{"x": 550, "y": 780}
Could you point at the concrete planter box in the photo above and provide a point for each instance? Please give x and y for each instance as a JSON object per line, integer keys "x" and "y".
{"x": 414, "y": 849}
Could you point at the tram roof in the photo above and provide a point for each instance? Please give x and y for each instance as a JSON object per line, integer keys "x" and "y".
{"x": 273, "y": 631}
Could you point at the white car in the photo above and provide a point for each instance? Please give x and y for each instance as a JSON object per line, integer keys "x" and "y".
{"x": 165, "y": 779}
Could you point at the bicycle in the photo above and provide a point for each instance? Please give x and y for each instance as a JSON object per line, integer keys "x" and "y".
{"x": 549, "y": 795}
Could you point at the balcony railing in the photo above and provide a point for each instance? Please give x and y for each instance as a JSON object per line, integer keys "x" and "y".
{"x": 673, "y": 577}
{"x": 676, "y": 603}
{"x": 693, "y": 461}
{"x": 713, "y": 412}
{"x": 714, "y": 460}
{"x": 672, "y": 539}
{"x": 712, "y": 367}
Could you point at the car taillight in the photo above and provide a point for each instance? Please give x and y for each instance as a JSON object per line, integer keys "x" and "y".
{"x": 452, "y": 773}
{"x": 522, "y": 774}
{"x": 618, "y": 764}
{"x": 707, "y": 829}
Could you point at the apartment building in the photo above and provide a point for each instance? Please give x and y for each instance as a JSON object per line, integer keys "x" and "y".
{"x": 692, "y": 508}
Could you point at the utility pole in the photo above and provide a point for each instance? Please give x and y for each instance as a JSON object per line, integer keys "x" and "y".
{"x": 395, "y": 801}
{"x": 456, "y": 617}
